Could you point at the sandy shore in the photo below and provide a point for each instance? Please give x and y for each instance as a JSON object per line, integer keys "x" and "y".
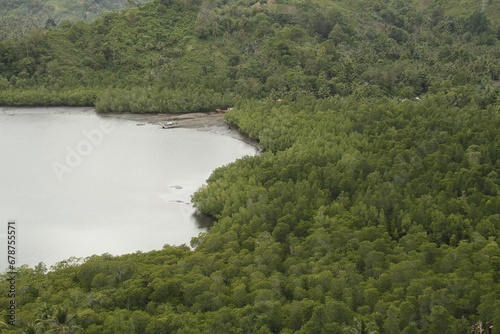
{"x": 190, "y": 120}
{"x": 213, "y": 122}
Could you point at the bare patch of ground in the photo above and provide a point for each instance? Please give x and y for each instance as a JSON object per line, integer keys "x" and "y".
{"x": 190, "y": 120}
{"x": 213, "y": 122}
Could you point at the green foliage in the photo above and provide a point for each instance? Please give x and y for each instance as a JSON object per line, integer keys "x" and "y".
{"x": 142, "y": 100}
{"x": 19, "y": 16}
{"x": 152, "y": 57}
{"x": 373, "y": 206}
{"x": 360, "y": 216}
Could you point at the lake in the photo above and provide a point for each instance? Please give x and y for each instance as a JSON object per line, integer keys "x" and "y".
{"x": 78, "y": 184}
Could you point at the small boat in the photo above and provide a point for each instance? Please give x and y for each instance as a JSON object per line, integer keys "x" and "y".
{"x": 169, "y": 125}
{"x": 223, "y": 111}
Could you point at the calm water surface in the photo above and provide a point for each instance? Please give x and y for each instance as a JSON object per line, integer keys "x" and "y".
{"x": 78, "y": 184}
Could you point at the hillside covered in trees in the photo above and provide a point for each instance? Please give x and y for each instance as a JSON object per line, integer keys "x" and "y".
{"x": 18, "y": 17}
{"x": 374, "y": 208}
{"x": 193, "y": 55}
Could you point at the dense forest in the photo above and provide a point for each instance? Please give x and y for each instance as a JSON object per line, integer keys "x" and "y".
{"x": 18, "y": 17}
{"x": 197, "y": 55}
{"x": 373, "y": 208}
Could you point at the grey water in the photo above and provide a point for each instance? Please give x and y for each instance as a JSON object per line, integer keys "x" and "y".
{"x": 78, "y": 184}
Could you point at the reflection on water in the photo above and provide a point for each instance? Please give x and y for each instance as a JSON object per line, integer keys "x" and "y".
{"x": 203, "y": 221}
{"x": 77, "y": 186}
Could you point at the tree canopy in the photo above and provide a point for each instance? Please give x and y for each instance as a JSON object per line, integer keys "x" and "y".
{"x": 373, "y": 208}
{"x": 192, "y": 55}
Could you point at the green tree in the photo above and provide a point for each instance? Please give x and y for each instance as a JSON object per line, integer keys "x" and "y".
{"x": 62, "y": 322}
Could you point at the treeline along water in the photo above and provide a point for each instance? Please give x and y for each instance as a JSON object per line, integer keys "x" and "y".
{"x": 79, "y": 184}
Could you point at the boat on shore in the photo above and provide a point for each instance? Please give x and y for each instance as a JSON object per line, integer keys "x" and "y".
{"x": 223, "y": 111}
{"x": 169, "y": 125}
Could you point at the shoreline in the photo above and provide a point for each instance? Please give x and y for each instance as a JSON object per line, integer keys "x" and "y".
{"x": 211, "y": 121}
{"x": 208, "y": 121}
{"x": 183, "y": 120}
{"x": 202, "y": 121}
{"x": 186, "y": 120}
{"x": 194, "y": 123}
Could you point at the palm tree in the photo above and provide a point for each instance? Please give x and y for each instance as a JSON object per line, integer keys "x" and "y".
{"x": 61, "y": 321}
{"x": 360, "y": 327}
{"x": 3, "y": 325}
{"x": 44, "y": 322}
{"x": 53, "y": 320}
{"x": 32, "y": 328}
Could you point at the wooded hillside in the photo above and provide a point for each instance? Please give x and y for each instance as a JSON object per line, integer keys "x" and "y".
{"x": 374, "y": 208}
{"x": 182, "y": 56}
{"x": 18, "y": 17}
